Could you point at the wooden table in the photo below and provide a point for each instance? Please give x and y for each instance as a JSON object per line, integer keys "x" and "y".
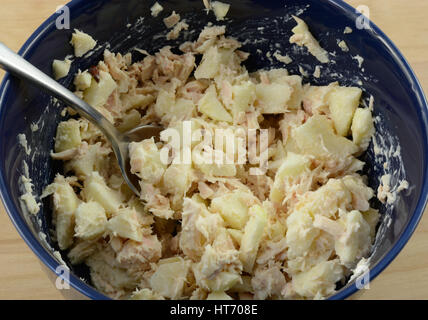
{"x": 404, "y": 21}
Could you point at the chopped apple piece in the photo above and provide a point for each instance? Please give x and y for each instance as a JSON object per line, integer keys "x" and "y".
{"x": 146, "y": 161}
{"x": 177, "y": 179}
{"x": 212, "y": 107}
{"x": 253, "y": 234}
{"x": 295, "y": 101}
{"x": 343, "y": 103}
{"x": 292, "y": 166}
{"x": 220, "y": 9}
{"x": 170, "y": 108}
{"x": 82, "y": 43}
{"x": 372, "y": 218}
{"x": 97, "y": 190}
{"x": 356, "y": 240}
{"x": 273, "y": 97}
{"x": 170, "y": 277}
{"x": 61, "y": 68}
{"x": 91, "y": 221}
{"x": 65, "y": 203}
{"x": 135, "y": 101}
{"x": 244, "y": 95}
{"x": 156, "y": 9}
{"x": 236, "y": 235}
{"x": 300, "y": 233}
{"x": 362, "y": 127}
{"x": 82, "y": 80}
{"x": 125, "y": 224}
{"x": 67, "y": 135}
{"x": 316, "y": 98}
{"x": 316, "y": 137}
{"x": 99, "y": 92}
{"x": 210, "y": 64}
{"x": 164, "y": 103}
{"x": 233, "y": 207}
{"x": 319, "y": 281}
{"x": 129, "y": 121}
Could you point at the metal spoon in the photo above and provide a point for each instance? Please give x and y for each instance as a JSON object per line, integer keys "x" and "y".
{"x": 21, "y": 68}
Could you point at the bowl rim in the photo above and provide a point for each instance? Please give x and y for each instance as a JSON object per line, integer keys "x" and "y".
{"x": 88, "y": 291}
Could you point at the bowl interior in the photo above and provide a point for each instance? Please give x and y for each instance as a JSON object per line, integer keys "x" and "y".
{"x": 262, "y": 26}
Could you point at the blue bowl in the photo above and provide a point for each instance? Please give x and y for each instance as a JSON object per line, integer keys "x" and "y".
{"x": 399, "y": 101}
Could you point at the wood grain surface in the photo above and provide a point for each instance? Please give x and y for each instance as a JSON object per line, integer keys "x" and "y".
{"x": 404, "y": 21}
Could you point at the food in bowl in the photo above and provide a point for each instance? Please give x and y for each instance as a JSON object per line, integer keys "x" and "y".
{"x": 213, "y": 230}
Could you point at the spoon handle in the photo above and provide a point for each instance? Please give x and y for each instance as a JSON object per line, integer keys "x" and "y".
{"x": 15, "y": 64}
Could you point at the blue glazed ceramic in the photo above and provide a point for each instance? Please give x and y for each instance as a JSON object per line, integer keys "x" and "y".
{"x": 260, "y": 24}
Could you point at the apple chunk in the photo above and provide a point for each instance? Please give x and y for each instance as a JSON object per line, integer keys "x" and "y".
{"x": 316, "y": 137}
{"x": 343, "y": 103}
{"x": 212, "y": 107}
